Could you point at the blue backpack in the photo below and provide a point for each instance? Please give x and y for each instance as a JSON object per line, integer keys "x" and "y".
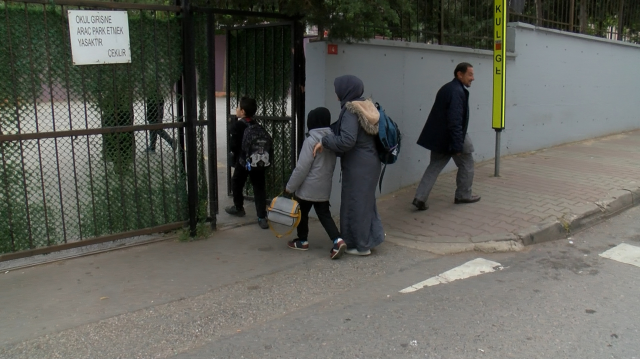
{"x": 388, "y": 141}
{"x": 389, "y": 138}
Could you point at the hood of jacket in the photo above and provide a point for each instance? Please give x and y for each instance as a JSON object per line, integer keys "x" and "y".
{"x": 318, "y": 118}
{"x": 367, "y": 113}
{"x": 348, "y": 88}
{"x": 318, "y": 133}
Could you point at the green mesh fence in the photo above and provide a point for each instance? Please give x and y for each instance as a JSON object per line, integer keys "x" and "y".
{"x": 59, "y": 186}
{"x": 260, "y": 66}
{"x": 202, "y": 53}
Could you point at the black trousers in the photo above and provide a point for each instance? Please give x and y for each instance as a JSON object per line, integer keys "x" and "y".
{"x": 257, "y": 177}
{"x": 163, "y": 134}
{"x": 154, "y": 114}
{"x": 324, "y": 215}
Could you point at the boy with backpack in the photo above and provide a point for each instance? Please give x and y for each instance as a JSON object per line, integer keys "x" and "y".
{"x": 311, "y": 181}
{"x": 250, "y": 147}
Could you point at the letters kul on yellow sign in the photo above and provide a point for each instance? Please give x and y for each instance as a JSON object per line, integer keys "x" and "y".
{"x": 499, "y": 63}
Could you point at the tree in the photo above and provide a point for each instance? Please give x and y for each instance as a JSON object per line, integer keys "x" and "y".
{"x": 346, "y": 19}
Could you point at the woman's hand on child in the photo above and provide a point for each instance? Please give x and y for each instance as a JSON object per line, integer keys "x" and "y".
{"x": 317, "y": 149}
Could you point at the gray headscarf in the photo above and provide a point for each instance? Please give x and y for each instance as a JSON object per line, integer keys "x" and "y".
{"x": 348, "y": 88}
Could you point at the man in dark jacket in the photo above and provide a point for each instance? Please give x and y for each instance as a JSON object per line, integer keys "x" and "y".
{"x": 445, "y": 134}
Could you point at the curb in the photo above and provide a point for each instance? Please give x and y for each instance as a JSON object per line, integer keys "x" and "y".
{"x": 597, "y": 212}
{"x": 503, "y": 242}
{"x": 90, "y": 250}
{"x": 552, "y": 230}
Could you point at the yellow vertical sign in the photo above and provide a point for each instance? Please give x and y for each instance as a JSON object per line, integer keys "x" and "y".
{"x": 499, "y": 63}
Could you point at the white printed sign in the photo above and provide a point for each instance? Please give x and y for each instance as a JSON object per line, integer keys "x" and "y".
{"x": 99, "y": 37}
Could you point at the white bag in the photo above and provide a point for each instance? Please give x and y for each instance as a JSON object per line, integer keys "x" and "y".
{"x": 283, "y": 211}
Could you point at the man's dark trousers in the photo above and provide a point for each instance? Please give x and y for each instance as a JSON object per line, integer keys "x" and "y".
{"x": 464, "y": 177}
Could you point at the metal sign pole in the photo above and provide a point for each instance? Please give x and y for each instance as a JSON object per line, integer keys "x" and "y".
{"x": 496, "y": 173}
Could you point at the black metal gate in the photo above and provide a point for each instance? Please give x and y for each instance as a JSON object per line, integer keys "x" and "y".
{"x": 94, "y": 153}
{"x": 261, "y": 65}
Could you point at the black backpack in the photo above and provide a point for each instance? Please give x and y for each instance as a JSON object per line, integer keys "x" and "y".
{"x": 257, "y": 146}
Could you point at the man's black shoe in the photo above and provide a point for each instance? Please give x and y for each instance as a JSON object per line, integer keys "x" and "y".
{"x": 420, "y": 205}
{"x": 473, "y": 199}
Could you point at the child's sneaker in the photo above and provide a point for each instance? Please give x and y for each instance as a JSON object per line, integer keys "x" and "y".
{"x": 298, "y": 244}
{"x": 338, "y": 248}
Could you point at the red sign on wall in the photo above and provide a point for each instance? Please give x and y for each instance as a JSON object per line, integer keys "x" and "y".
{"x": 332, "y": 49}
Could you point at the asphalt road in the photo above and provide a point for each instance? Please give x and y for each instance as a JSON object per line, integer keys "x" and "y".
{"x": 554, "y": 300}
{"x": 557, "y": 300}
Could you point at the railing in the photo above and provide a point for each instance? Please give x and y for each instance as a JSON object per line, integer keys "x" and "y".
{"x": 468, "y": 23}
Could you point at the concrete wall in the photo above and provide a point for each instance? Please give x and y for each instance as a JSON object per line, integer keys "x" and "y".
{"x": 560, "y": 88}
{"x": 567, "y": 87}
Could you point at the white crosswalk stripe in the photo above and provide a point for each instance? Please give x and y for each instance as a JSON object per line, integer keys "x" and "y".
{"x": 470, "y": 269}
{"x": 624, "y": 253}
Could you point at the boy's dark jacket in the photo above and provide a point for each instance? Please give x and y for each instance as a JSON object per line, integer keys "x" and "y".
{"x": 236, "y": 132}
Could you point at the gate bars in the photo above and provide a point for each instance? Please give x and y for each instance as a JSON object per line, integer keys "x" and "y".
{"x": 95, "y": 153}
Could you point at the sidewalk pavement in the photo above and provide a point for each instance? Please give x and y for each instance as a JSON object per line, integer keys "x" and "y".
{"x": 539, "y": 196}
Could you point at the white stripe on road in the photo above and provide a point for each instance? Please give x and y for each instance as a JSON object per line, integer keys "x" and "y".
{"x": 624, "y": 253}
{"x": 470, "y": 269}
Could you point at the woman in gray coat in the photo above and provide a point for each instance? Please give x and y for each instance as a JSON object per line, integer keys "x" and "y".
{"x": 354, "y": 138}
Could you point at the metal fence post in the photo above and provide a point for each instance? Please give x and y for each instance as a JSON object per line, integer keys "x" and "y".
{"x": 299, "y": 76}
{"x": 227, "y": 113}
{"x": 212, "y": 120}
{"x": 191, "y": 112}
{"x": 441, "y": 33}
